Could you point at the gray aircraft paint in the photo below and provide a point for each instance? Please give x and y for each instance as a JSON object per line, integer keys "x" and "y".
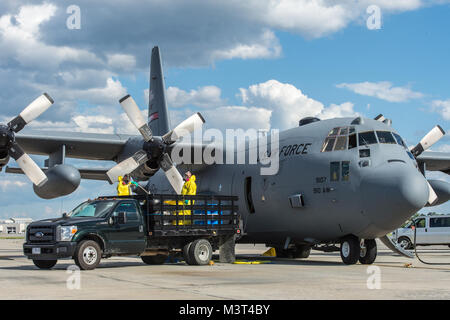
{"x": 368, "y": 205}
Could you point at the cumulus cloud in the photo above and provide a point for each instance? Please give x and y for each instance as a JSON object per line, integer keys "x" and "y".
{"x": 204, "y": 97}
{"x": 442, "y": 107}
{"x": 289, "y": 104}
{"x": 9, "y": 184}
{"x": 382, "y": 90}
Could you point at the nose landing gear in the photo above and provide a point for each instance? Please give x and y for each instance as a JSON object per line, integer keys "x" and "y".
{"x": 354, "y": 250}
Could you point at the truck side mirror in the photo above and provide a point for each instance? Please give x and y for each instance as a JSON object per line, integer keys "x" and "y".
{"x": 121, "y": 218}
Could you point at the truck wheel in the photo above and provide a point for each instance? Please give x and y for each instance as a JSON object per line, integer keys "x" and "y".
{"x": 200, "y": 252}
{"x": 186, "y": 255}
{"x": 405, "y": 243}
{"x": 45, "y": 264}
{"x": 350, "y": 250}
{"x": 88, "y": 255}
{"x": 369, "y": 254}
{"x": 158, "y": 259}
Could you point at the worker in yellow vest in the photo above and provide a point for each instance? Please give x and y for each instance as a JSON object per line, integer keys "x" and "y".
{"x": 124, "y": 186}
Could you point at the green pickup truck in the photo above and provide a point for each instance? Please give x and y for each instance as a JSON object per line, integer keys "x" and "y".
{"x": 153, "y": 227}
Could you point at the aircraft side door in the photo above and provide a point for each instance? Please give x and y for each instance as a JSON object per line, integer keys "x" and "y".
{"x": 128, "y": 237}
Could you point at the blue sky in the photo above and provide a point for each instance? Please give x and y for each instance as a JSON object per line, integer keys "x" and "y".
{"x": 215, "y": 54}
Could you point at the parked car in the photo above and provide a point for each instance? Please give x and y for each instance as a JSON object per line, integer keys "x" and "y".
{"x": 431, "y": 230}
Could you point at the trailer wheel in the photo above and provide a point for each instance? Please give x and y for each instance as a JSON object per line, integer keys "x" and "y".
{"x": 158, "y": 259}
{"x": 186, "y": 254}
{"x": 200, "y": 252}
{"x": 88, "y": 255}
{"x": 350, "y": 250}
{"x": 45, "y": 264}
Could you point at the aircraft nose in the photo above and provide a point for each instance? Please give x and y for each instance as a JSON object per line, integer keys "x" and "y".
{"x": 392, "y": 194}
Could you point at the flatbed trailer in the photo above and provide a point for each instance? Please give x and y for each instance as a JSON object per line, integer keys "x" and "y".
{"x": 154, "y": 227}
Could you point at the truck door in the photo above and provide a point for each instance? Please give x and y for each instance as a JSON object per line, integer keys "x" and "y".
{"x": 440, "y": 230}
{"x": 128, "y": 237}
{"x": 422, "y": 235}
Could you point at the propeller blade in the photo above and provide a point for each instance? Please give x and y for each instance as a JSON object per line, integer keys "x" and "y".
{"x": 135, "y": 115}
{"x": 184, "y": 128}
{"x": 430, "y": 138}
{"x": 127, "y": 166}
{"x": 28, "y": 166}
{"x": 31, "y": 112}
{"x": 432, "y": 197}
{"x": 172, "y": 174}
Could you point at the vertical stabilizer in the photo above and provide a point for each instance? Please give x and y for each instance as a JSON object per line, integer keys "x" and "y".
{"x": 158, "y": 118}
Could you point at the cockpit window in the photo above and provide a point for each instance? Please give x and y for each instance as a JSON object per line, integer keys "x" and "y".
{"x": 338, "y": 139}
{"x": 341, "y": 143}
{"x": 385, "y": 137}
{"x": 399, "y": 140}
{"x": 352, "y": 141}
{"x": 366, "y": 138}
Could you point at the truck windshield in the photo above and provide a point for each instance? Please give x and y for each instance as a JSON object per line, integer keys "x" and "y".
{"x": 97, "y": 209}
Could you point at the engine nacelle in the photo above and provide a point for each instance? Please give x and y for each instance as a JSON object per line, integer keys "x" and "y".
{"x": 4, "y": 159}
{"x": 63, "y": 179}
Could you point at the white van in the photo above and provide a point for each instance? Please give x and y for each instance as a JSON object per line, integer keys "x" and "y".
{"x": 431, "y": 230}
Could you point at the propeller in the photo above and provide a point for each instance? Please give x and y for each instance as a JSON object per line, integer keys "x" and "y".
{"x": 430, "y": 139}
{"x": 8, "y": 144}
{"x": 154, "y": 148}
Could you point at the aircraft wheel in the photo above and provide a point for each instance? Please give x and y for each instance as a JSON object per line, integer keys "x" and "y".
{"x": 45, "y": 264}
{"x": 369, "y": 253}
{"x": 200, "y": 252}
{"x": 350, "y": 250}
{"x": 283, "y": 253}
{"x": 302, "y": 252}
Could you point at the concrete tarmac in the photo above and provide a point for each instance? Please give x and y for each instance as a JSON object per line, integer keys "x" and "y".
{"x": 321, "y": 276}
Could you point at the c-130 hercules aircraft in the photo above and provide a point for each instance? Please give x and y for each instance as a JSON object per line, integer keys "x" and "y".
{"x": 341, "y": 181}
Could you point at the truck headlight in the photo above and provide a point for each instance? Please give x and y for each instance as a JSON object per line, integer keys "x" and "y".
{"x": 68, "y": 232}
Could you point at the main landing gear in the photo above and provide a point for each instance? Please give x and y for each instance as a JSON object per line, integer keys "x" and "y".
{"x": 354, "y": 250}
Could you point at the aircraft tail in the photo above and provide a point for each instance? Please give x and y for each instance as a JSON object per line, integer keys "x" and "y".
{"x": 158, "y": 117}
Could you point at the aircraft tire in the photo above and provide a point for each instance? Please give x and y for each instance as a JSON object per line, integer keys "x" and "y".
{"x": 302, "y": 252}
{"x": 350, "y": 250}
{"x": 155, "y": 260}
{"x": 283, "y": 253}
{"x": 45, "y": 264}
{"x": 200, "y": 252}
{"x": 370, "y": 254}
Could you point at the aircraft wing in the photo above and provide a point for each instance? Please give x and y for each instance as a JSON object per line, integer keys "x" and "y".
{"x": 436, "y": 161}
{"x": 89, "y": 174}
{"x": 89, "y": 146}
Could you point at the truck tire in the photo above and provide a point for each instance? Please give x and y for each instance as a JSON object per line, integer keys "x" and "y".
{"x": 154, "y": 260}
{"x": 350, "y": 250}
{"x": 370, "y": 252}
{"x": 200, "y": 252}
{"x": 88, "y": 255}
{"x": 405, "y": 243}
{"x": 186, "y": 256}
{"x": 45, "y": 264}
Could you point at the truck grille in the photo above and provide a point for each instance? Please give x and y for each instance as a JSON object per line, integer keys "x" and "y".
{"x": 41, "y": 234}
